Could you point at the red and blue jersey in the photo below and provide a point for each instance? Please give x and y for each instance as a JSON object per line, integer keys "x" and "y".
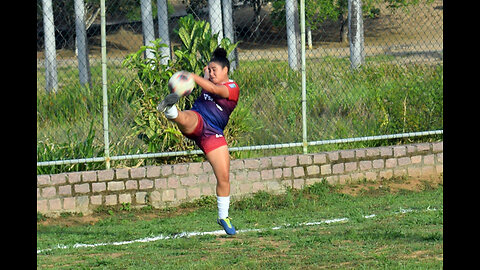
{"x": 216, "y": 110}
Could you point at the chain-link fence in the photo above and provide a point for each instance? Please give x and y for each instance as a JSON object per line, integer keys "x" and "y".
{"x": 373, "y": 71}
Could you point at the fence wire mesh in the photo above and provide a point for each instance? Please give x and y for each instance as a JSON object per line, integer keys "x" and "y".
{"x": 397, "y": 87}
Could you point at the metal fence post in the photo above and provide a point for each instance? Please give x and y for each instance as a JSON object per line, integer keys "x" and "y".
{"x": 51, "y": 81}
{"x": 355, "y": 33}
{"x": 82, "y": 45}
{"x": 162, "y": 12}
{"x": 304, "y": 77}
{"x": 215, "y": 15}
{"x": 103, "y": 34}
{"x": 147, "y": 26}
{"x": 291, "y": 11}
{"x": 228, "y": 29}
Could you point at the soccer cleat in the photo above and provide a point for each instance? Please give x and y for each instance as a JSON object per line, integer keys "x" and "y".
{"x": 167, "y": 102}
{"x": 227, "y": 225}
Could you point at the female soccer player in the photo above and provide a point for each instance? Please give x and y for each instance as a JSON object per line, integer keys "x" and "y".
{"x": 205, "y": 121}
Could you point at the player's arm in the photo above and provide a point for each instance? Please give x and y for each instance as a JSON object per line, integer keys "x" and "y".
{"x": 220, "y": 90}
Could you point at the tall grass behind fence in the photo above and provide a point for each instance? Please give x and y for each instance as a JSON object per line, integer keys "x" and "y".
{"x": 398, "y": 88}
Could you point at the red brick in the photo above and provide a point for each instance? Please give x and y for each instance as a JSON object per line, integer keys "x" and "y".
{"x": 267, "y": 174}
{"x": 347, "y": 154}
{"x": 188, "y": 180}
{"x": 98, "y": 187}
{"x": 193, "y": 192}
{"x": 298, "y": 172}
{"x": 305, "y": 159}
{"x": 153, "y": 171}
{"x": 265, "y": 162}
{"x": 181, "y": 194}
{"x": 89, "y": 176}
{"x": 161, "y": 183}
{"x": 338, "y": 168}
{"x": 137, "y": 173}
{"x": 313, "y": 170}
{"x": 166, "y": 170}
{"x": 121, "y": 173}
{"x": 253, "y": 175}
{"x": 298, "y": 183}
{"x": 96, "y": 200}
{"x": 319, "y": 159}
{"x": 114, "y": 186}
{"x": 124, "y": 198}
{"x": 105, "y": 175}
{"x": 59, "y": 178}
{"x": 82, "y": 188}
{"x": 74, "y": 177}
{"x": 172, "y": 182}
{"x": 131, "y": 184}
{"x": 145, "y": 184}
{"x": 110, "y": 199}
{"x": 257, "y": 186}
{"x": 236, "y": 164}
{"x": 65, "y": 190}
{"x": 42, "y": 206}
{"x": 55, "y": 204}
{"x": 69, "y": 203}
{"x": 399, "y": 151}
{"x": 378, "y": 164}
{"x": 168, "y": 195}
{"x": 350, "y": 166}
{"x": 49, "y": 192}
{"x": 291, "y": 161}
{"x": 252, "y": 163}
{"x": 197, "y": 168}
{"x": 365, "y": 165}
{"x": 429, "y": 160}
{"x": 278, "y": 161}
{"x": 43, "y": 179}
{"x": 326, "y": 169}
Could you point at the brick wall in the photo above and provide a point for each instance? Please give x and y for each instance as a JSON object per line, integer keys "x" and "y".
{"x": 170, "y": 185}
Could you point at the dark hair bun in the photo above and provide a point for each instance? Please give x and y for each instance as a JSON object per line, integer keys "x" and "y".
{"x": 220, "y": 53}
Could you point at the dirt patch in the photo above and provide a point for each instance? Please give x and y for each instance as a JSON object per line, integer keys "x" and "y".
{"x": 392, "y": 185}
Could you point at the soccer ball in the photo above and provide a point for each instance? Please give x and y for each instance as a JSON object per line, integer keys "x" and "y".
{"x": 181, "y": 83}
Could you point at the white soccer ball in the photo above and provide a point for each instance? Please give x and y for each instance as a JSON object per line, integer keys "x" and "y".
{"x": 181, "y": 83}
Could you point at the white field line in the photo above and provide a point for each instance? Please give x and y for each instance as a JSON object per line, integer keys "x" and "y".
{"x": 218, "y": 232}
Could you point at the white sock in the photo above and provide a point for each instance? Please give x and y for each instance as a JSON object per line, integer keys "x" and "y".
{"x": 223, "y": 204}
{"x": 172, "y": 112}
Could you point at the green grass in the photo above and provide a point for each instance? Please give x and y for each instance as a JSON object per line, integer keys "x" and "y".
{"x": 390, "y": 240}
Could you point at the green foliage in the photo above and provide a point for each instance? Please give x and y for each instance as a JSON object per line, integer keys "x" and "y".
{"x": 150, "y": 84}
{"x": 197, "y": 44}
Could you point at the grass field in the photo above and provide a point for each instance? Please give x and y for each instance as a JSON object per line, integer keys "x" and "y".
{"x": 389, "y": 224}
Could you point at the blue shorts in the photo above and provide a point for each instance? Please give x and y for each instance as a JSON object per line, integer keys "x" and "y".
{"x": 205, "y": 136}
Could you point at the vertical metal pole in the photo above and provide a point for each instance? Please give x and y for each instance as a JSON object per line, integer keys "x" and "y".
{"x": 104, "y": 82}
{"x": 215, "y": 15}
{"x": 228, "y": 29}
{"x": 51, "y": 82}
{"x": 147, "y": 26}
{"x": 304, "y": 76}
{"x": 355, "y": 33}
{"x": 162, "y": 12}
{"x": 291, "y": 35}
{"x": 82, "y": 44}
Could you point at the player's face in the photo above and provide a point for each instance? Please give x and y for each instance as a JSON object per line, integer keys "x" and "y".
{"x": 217, "y": 74}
